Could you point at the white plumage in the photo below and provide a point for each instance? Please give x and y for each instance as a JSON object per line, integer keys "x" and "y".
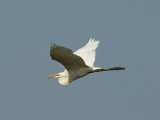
{"x": 88, "y": 52}
{"x": 77, "y": 64}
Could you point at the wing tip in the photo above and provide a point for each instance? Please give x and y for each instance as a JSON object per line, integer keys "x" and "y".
{"x": 93, "y": 40}
{"x": 53, "y": 45}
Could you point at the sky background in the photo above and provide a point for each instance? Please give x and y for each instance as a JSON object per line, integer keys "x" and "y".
{"x": 129, "y": 34}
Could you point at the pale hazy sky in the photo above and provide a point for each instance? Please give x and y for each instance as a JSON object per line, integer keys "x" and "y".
{"x": 129, "y": 34}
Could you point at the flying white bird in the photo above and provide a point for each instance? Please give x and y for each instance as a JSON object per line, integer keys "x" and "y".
{"x": 77, "y": 64}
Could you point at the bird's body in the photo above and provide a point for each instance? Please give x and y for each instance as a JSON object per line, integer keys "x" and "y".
{"x": 77, "y": 64}
{"x": 69, "y": 76}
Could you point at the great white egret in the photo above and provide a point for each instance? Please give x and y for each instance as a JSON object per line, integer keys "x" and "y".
{"x": 77, "y": 64}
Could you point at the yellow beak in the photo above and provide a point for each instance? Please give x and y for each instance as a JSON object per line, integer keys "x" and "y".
{"x": 52, "y": 76}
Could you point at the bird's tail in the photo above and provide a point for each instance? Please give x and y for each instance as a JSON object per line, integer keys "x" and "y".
{"x": 109, "y": 69}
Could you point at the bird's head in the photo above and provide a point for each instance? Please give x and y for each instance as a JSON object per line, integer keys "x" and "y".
{"x": 63, "y": 78}
{"x": 58, "y": 75}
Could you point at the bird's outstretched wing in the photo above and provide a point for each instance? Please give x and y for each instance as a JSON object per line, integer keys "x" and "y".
{"x": 88, "y": 52}
{"x": 66, "y": 57}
